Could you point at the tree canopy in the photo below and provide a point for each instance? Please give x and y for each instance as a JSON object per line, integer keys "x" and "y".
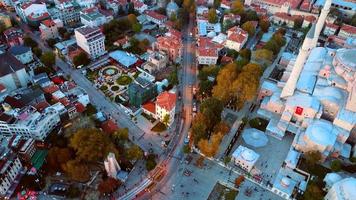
{"x": 48, "y": 59}
{"x": 212, "y": 16}
{"x": 77, "y": 170}
{"x": 249, "y": 27}
{"x": 81, "y": 59}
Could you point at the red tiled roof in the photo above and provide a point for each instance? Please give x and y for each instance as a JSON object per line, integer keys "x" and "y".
{"x": 237, "y": 34}
{"x": 293, "y": 3}
{"x": 26, "y": 5}
{"x": 206, "y": 42}
{"x": 109, "y": 126}
{"x": 310, "y": 18}
{"x": 155, "y": 15}
{"x": 42, "y": 105}
{"x": 80, "y": 107}
{"x": 226, "y": 60}
{"x": 50, "y": 89}
{"x": 306, "y": 5}
{"x": 65, "y": 101}
{"x": 150, "y": 107}
{"x": 348, "y": 28}
{"x": 208, "y": 52}
{"x": 166, "y": 100}
{"x": 332, "y": 26}
{"x": 48, "y": 22}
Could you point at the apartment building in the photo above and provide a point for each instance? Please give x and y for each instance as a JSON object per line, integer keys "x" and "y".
{"x": 91, "y": 40}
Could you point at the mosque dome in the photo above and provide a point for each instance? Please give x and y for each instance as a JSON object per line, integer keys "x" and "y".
{"x": 332, "y": 178}
{"x": 346, "y": 58}
{"x": 172, "y": 6}
{"x": 285, "y": 182}
{"x": 320, "y": 132}
{"x": 346, "y": 188}
{"x": 248, "y": 155}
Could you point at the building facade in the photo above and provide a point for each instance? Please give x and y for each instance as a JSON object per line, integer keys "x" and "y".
{"x": 91, "y": 40}
{"x": 49, "y": 28}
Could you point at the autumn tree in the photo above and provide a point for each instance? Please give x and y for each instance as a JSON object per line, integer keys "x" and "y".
{"x": 212, "y": 16}
{"x": 150, "y": 162}
{"x": 48, "y": 59}
{"x": 134, "y": 153}
{"x": 223, "y": 90}
{"x": 29, "y": 42}
{"x": 245, "y": 53}
{"x": 249, "y": 28}
{"x": 237, "y": 7}
{"x": 222, "y": 128}
{"x": 239, "y": 180}
{"x": 313, "y": 192}
{"x": 121, "y": 134}
{"x": 91, "y": 145}
{"x": 298, "y": 22}
{"x": 58, "y": 157}
{"x": 211, "y": 147}
{"x": 263, "y": 54}
{"x": 77, "y": 170}
{"x": 312, "y": 157}
{"x": 108, "y": 186}
{"x": 132, "y": 18}
{"x": 264, "y": 25}
{"x": 246, "y": 84}
{"x": 199, "y": 128}
{"x": 217, "y": 3}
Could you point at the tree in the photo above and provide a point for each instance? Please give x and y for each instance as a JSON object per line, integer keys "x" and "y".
{"x": 246, "y": 84}
{"x": 132, "y": 18}
{"x": 263, "y": 54}
{"x": 198, "y": 128}
{"x": 212, "y": 16}
{"x": 211, "y": 108}
{"x": 29, "y": 42}
{"x": 48, "y": 59}
{"x": 227, "y": 159}
{"x": 173, "y": 77}
{"x": 166, "y": 119}
{"x": 108, "y": 186}
{"x": 249, "y": 27}
{"x": 37, "y": 51}
{"x": 237, "y": 7}
{"x": 131, "y": 8}
{"x": 226, "y": 77}
{"x": 239, "y": 180}
{"x": 210, "y": 148}
{"x": 58, "y": 157}
{"x": 134, "y": 153}
{"x": 217, "y": 3}
{"x": 245, "y": 53}
{"x": 91, "y": 145}
{"x": 313, "y": 192}
{"x": 312, "y": 157}
{"x": 264, "y": 25}
{"x": 2, "y": 27}
{"x": 73, "y": 191}
{"x": 136, "y": 27}
{"x": 77, "y": 170}
{"x": 62, "y": 31}
{"x": 335, "y": 165}
{"x": 150, "y": 162}
{"x": 272, "y": 46}
{"x": 51, "y": 42}
{"x": 81, "y": 59}
{"x": 222, "y": 128}
{"x": 122, "y": 134}
{"x": 298, "y": 22}
{"x": 353, "y": 20}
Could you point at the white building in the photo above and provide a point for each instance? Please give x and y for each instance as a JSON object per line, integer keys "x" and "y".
{"x": 207, "y": 56}
{"x": 112, "y": 167}
{"x": 157, "y": 60}
{"x": 245, "y": 158}
{"x": 166, "y": 106}
{"x": 49, "y": 28}
{"x": 91, "y": 40}
{"x": 330, "y": 29}
{"x": 68, "y": 11}
{"x": 155, "y": 17}
{"x": 347, "y": 31}
{"x": 31, "y": 11}
{"x": 139, "y": 6}
{"x": 22, "y": 54}
{"x": 10, "y": 168}
{"x": 93, "y": 18}
{"x": 13, "y": 74}
{"x": 342, "y": 190}
{"x": 236, "y": 38}
{"x": 31, "y": 124}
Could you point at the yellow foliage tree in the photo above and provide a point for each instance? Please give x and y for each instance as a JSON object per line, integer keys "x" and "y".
{"x": 210, "y": 148}
{"x": 223, "y": 90}
{"x": 263, "y": 54}
{"x": 237, "y": 7}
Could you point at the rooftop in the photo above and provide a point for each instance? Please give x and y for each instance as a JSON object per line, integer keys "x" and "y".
{"x": 9, "y": 64}
{"x": 166, "y": 100}
{"x": 124, "y": 58}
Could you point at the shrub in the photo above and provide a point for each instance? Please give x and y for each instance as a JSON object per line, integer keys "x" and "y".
{"x": 335, "y": 165}
{"x": 115, "y": 88}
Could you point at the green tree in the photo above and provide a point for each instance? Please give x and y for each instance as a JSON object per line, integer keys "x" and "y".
{"x": 134, "y": 153}
{"x": 198, "y": 129}
{"x": 132, "y": 18}
{"x": 136, "y": 27}
{"x": 166, "y": 119}
{"x": 353, "y": 20}
{"x": 29, "y": 42}
{"x": 37, "y": 51}
{"x": 77, "y": 170}
{"x": 2, "y": 27}
{"x": 81, "y": 59}
{"x": 249, "y": 28}
{"x": 173, "y": 77}
{"x": 217, "y": 3}
{"x": 212, "y": 16}
{"x": 211, "y": 108}
{"x": 91, "y": 145}
{"x": 313, "y": 192}
{"x": 131, "y": 8}
{"x": 335, "y": 165}
{"x": 245, "y": 53}
{"x": 227, "y": 159}
{"x": 48, "y": 59}
{"x": 122, "y": 134}
{"x": 150, "y": 162}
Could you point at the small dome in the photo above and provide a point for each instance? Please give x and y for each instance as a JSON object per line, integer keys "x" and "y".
{"x": 285, "y": 182}
{"x": 255, "y": 135}
{"x": 211, "y": 34}
{"x": 248, "y": 155}
{"x": 332, "y": 178}
{"x": 172, "y": 6}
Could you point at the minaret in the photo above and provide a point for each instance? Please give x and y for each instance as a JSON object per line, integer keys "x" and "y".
{"x": 309, "y": 43}
{"x": 321, "y": 20}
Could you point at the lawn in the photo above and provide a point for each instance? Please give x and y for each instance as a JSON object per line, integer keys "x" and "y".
{"x": 221, "y": 192}
{"x": 124, "y": 80}
{"x": 159, "y": 127}
{"x": 115, "y": 88}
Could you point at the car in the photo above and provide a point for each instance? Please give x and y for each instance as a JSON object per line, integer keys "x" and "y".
{"x": 186, "y": 140}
